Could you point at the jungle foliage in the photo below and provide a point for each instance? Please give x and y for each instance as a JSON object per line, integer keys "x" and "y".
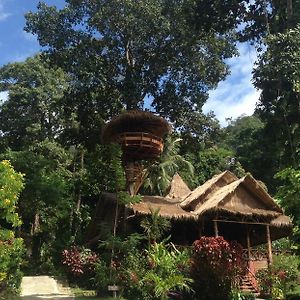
{"x": 101, "y": 57}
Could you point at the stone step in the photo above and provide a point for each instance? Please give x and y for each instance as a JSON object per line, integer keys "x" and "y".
{"x": 44, "y": 287}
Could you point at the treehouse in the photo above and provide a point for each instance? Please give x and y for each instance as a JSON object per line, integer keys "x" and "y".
{"x": 140, "y": 135}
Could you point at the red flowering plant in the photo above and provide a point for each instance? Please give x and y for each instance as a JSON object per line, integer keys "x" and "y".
{"x": 216, "y": 264}
{"x": 281, "y": 277}
{"x": 79, "y": 261}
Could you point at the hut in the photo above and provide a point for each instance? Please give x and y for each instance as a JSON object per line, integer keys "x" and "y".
{"x": 238, "y": 209}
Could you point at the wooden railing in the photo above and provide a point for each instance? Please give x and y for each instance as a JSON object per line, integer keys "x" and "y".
{"x": 255, "y": 254}
{"x": 253, "y": 280}
{"x": 261, "y": 254}
{"x": 141, "y": 140}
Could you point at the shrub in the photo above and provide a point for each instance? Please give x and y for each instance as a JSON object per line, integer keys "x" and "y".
{"x": 215, "y": 265}
{"x": 11, "y": 258}
{"x": 166, "y": 271}
{"x": 11, "y": 248}
{"x": 80, "y": 264}
{"x": 118, "y": 256}
{"x": 280, "y": 278}
{"x": 144, "y": 274}
{"x": 239, "y": 295}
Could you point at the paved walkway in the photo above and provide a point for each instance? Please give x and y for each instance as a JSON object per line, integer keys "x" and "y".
{"x": 43, "y": 287}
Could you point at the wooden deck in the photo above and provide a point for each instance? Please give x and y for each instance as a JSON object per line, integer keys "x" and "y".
{"x": 140, "y": 145}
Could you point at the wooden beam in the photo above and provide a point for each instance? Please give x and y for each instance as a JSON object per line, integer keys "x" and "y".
{"x": 241, "y": 222}
{"x": 216, "y": 229}
{"x": 270, "y": 257}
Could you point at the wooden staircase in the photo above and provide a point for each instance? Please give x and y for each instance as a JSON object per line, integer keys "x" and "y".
{"x": 248, "y": 284}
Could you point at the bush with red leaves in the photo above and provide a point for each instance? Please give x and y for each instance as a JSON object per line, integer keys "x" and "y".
{"x": 215, "y": 265}
{"x": 79, "y": 261}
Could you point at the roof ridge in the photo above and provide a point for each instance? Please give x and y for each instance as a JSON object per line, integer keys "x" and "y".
{"x": 202, "y": 189}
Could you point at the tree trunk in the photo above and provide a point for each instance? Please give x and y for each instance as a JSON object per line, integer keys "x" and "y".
{"x": 289, "y": 12}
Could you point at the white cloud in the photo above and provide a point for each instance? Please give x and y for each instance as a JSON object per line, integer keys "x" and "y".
{"x": 3, "y": 15}
{"x": 236, "y": 95}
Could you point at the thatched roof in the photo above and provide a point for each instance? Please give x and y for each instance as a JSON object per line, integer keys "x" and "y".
{"x": 201, "y": 193}
{"x": 135, "y": 121}
{"x": 178, "y": 189}
{"x": 282, "y": 221}
{"x": 225, "y": 193}
{"x": 243, "y": 197}
{"x": 167, "y": 208}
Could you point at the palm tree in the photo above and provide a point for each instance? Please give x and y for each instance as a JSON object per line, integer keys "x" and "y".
{"x": 158, "y": 174}
{"x": 155, "y": 226}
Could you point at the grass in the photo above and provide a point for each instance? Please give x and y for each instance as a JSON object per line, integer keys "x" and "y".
{"x": 81, "y": 294}
{"x": 95, "y": 298}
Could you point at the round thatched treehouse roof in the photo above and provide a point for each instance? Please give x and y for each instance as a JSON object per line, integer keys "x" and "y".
{"x": 135, "y": 121}
{"x": 139, "y": 133}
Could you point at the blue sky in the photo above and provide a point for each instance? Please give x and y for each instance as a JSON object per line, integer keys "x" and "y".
{"x": 233, "y": 97}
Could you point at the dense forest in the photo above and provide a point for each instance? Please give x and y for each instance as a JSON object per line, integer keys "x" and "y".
{"x": 99, "y": 58}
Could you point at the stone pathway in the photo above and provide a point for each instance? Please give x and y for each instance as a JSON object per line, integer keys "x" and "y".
{"x": 43, "y": 287}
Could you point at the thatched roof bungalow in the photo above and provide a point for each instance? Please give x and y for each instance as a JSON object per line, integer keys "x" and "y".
{"x": 238, "y": 209}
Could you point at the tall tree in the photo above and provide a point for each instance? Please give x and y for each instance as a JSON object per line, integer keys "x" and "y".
{"x": 288, "y": 196}
{"x": 277, "y": 75}
{"x": 129, "y": 54}
{"x": 34, "y": 108}
{"x": 243, "y": 136}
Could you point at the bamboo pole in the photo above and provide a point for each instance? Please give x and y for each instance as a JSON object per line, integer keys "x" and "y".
{"x": 248, "y": 245}
{"x": 270, "y": 257}
{"x": 216, "y": 230}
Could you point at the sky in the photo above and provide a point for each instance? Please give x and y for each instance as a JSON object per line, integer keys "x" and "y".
{"x": 233, "y": 97}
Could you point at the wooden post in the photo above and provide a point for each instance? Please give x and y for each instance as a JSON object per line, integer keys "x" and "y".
{"x": 216, "y": 228}
{"x": 248, "y": 245}
{"x": 270, "y": 258}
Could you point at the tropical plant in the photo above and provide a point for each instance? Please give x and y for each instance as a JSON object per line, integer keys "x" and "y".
{"x": 155, "y": 226}
{"x": 11, "y": 248}
{"x": 168, "y": 271}
{"x": 79, "y": 260}
{"x": 159, "y": 174}
{"x": 142, "y": 274}
{"x": 281, "y": 277}
{"x": 121, "y": 260}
